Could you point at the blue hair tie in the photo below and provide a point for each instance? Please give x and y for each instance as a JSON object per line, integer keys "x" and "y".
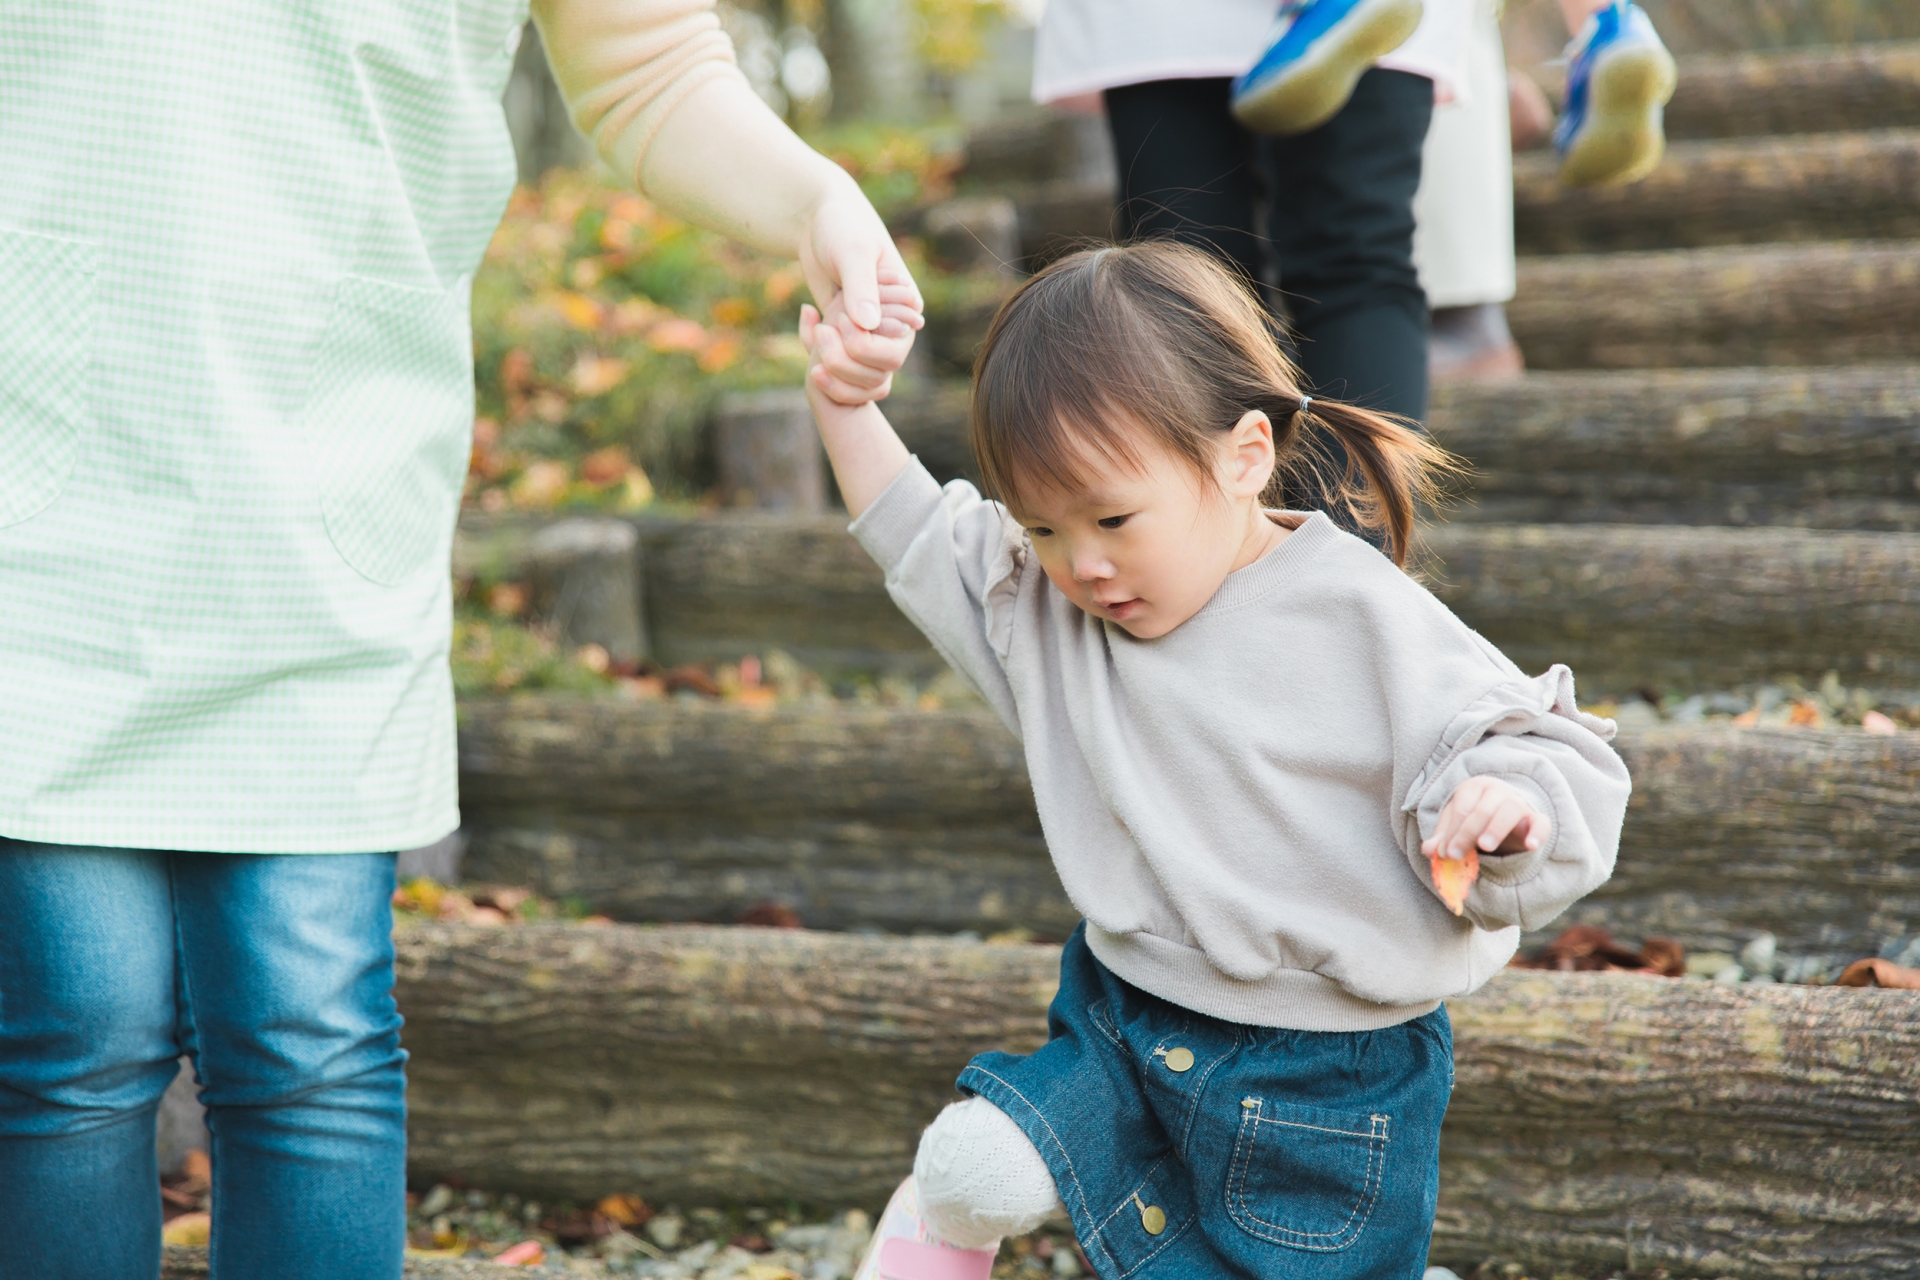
{"x": 1306, "y": 405}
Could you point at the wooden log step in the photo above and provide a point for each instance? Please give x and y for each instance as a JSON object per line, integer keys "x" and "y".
{"x": 1751, "y": 1132}
{"x": 1813, "y": 90}
{"x": 1688, "y": 608}
{"x": 1827, "y": 186}
{"x": 1824, "y": 448}
{"x": 1793, "y": 304}
{"x": 913, "y": 820}
{"x": 1821, "y": 448}
{"x": 1624, "y": 606}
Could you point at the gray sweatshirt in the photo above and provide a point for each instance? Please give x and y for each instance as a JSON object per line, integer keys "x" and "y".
{"x": 1237, "y": 806}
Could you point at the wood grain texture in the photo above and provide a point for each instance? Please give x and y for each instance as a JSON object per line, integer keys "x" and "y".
{"x": 1833, "y": 186}
{"x": 911, "y": 820}
{"x": 1814, "y": 90}
{"x": 1761, "y": 1133}
{"x": 1629, "y": 605}
{"x": 1823, "y": 448}
{"x": 1850, "y": 302}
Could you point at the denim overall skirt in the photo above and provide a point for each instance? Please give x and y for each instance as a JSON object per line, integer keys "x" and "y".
{"x": 1187, "y": 1148}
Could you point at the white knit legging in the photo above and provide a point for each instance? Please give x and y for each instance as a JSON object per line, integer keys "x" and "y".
{"x": 980, "y": 1178}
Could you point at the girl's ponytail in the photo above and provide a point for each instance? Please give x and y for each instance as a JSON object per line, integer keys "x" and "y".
{"x": 1380, "y": 469}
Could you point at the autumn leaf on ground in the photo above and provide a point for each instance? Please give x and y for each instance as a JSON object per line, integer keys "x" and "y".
{"x": 187, "y": 1229}
{"x": 1452, "y": 877}
{"x": 1879, "y": 973}
{"x": 528, "y": 1253}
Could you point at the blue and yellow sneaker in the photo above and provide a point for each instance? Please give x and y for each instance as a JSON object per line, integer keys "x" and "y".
{"x": 1619, "y": 77}
{"x": 1319, "y": 48}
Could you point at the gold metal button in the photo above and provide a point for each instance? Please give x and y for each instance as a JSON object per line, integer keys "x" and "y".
{"x": 1152, "y": 1217}
{"x": 1179, "y": 1059}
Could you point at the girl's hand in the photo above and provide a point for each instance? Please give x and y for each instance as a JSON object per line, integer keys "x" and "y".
{"x": 1487, "y": 815}
{"x": 851, "y": 365}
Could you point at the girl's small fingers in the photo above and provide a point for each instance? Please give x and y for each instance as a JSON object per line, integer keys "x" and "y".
{"x": 851, "y": 394}
{"x": 854, "y": 372}
{"x": 1500, "y": 825}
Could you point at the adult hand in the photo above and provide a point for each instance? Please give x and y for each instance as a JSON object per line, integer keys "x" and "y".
{"x": 845, "y": 252}
{"x": 848, "y": 364}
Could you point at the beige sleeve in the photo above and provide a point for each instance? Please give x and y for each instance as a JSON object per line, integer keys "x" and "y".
{"x": 654, "y": 85}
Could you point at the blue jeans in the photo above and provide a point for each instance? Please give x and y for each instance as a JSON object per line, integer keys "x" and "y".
{"x": 276, "y": 974}
{"x": 1187, "y": 1148}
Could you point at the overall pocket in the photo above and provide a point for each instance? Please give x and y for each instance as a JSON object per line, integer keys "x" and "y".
{"x": 389, "y": 418}
{"x": 46, "y": 354}
{"x": 1303, "y": 1177}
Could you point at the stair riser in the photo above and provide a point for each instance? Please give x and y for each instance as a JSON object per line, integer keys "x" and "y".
{"x": 1815, "y": 304}
{"x": 912, "y": 820}
{"x": 1822, "y": 187}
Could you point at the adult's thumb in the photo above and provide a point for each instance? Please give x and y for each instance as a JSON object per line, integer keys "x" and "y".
{"x": 859, "y": 286}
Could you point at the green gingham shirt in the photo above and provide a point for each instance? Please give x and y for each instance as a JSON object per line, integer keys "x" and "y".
{"x": 236, "y": 388}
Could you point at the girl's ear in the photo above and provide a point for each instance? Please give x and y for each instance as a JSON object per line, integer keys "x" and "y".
{"x": 1250, "y": 456}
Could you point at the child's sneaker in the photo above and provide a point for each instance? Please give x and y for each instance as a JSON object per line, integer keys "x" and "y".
{"x": 1318, "y": 50}
{"x": 903, "y": 1248}
{"x": 1619, "y": 77}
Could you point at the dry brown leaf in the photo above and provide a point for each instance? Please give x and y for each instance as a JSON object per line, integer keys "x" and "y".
{"x": 1879, "y": 973}
{"x": 1452, "y": 877}
{"x": 628, "y": 1211}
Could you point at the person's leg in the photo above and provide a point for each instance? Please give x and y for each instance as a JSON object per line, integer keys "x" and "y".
{"x": 1187, "y": 169}
{"x": 1341, "y": 224}
{"x": 286, "y": 985}
{"x": 980, "y": 1177}
{"x": 86, "y": 1051}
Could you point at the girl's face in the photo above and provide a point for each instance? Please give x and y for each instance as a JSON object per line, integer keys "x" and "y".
{"x": 1146, "y": 548}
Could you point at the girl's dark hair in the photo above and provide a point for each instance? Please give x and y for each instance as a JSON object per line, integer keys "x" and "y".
{"x": 1158, "y": 337}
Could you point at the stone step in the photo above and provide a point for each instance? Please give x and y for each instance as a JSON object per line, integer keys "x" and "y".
{"x": 1765, "y": 1130}
{"x": 1821, "y": 448}
{"x": 1846, "y": 302}
{"x": 1821, "y": 186}
{"x": 909, "y": 820}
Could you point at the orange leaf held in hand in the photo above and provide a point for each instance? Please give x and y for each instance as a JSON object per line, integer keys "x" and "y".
{"x": 1452, "y": 877}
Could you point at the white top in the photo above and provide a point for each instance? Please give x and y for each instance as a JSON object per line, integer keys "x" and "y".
{"x": 1085, "y": 46}
{"x": 1237, "y": 806}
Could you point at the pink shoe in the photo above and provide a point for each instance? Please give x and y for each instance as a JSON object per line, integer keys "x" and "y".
{"x": 904, "y": 1249}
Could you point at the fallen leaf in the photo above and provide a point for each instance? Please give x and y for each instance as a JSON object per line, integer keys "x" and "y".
{"x": 1805, "y": 715}
{"x": 596, "y": 375}
{"x": 579, "y": 310}
{"x": 771, "y": 915}
{"x": 605, "y": 466}
{"x": 677, "y": 334}
{"x": 1747, "y": 719}
{"x": 628, "y": 1211}
{"x": 756, "y": 698}
{"x": 1879, "y": 722}
{"x": 691, "y": 677}
{"x": 1879, "y": 973}
{"x": 188, "y": 1229}
{"x": 528, "y": 1253}
{"x": 542, "y": 484}
{"x": 1452, "y": 877}
{"x": 593, "y": 657}
{"x": 1588, "y": 948}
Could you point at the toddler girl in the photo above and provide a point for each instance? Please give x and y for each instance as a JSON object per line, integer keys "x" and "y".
{"x": 1253, "y": 740}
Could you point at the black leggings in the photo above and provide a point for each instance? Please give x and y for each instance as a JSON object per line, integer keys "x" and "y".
{"x": 1338, "y": 206}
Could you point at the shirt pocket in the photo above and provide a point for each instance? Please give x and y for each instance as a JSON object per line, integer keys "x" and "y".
{"x": 1306, "y": 1178}
{"x": 389, "y": 421}
{"x": 46, "y": 355}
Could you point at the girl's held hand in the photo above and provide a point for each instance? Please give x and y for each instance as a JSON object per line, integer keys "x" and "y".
{"x": 1483, "y": 815}
{"x": 851, "y": 365}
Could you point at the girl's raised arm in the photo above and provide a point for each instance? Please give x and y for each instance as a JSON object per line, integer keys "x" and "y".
{"x": 862, "y": 445}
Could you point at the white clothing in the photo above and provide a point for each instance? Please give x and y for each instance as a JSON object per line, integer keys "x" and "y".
{"x": 1463, "y": 214}
{"x": 981, "y": 1178}
{"x": 1085, "y": 46}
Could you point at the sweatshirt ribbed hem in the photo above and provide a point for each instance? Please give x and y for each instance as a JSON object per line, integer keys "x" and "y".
{"x": 887, "y": 527}
{"x": 1290, "y": 998}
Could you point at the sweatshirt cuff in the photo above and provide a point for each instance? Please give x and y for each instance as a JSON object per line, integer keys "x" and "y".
{"x": 1510, "y": 870}
{"x": 888, "y": 527}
